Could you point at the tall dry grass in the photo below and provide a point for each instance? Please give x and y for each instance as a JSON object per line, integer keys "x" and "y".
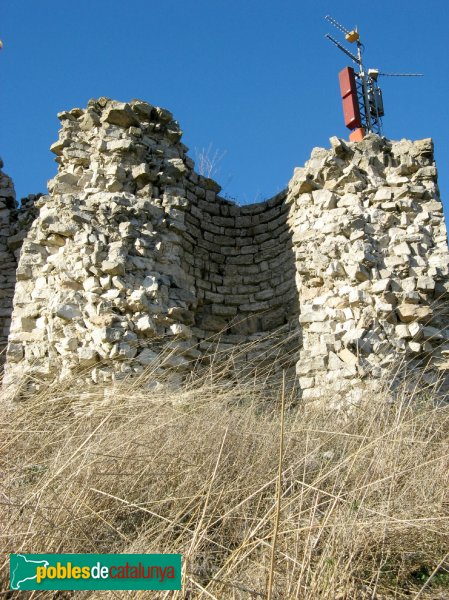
{"x": 359, "y": 496}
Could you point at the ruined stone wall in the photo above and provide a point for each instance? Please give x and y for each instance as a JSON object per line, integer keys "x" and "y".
{"x": 8, "y": 260}
{"x": 14, "y": 224}
{"x": 134, "y": 253}
{"x": 135, "y": 259}
{"x": 243, "y": 267}
{"x": 372, "y": 265}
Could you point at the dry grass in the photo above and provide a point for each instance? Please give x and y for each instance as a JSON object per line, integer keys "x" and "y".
{"x": 363, "y": 497}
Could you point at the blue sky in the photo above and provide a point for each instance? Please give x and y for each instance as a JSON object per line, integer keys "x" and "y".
{"x": 254, "y": 78}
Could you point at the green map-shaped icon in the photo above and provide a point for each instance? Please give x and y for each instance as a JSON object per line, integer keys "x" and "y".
{"x": 23, "y": 569}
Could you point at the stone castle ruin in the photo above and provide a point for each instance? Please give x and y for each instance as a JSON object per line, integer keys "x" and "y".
{"x": 132, "y": 252}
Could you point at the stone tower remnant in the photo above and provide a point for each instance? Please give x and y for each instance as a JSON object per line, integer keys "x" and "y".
{"x": 133, "y": 253}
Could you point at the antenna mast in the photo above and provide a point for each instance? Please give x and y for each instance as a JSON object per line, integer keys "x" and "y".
{"x": 362, "y": 97}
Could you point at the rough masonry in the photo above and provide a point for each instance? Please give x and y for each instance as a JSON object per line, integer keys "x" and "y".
{"x": 8, "y": 260}
{"x": 14, "y": 225}
{"x": 133, "y": 259}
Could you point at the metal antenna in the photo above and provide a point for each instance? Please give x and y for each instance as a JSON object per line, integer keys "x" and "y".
{"x": 336, "y": 24}
{"x": 401, "y": 74}
{"x": 343, "y": 49}
{"x": 362, "y": 97}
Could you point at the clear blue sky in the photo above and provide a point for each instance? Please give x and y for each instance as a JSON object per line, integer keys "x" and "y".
{"x": 255, "y": 78}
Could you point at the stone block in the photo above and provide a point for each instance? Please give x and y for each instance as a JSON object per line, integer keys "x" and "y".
{"x": 412, "y": 312}
{"x": 147, "y": 357}
{"x": 87, "y": 356}
{"x": 146, "y": 326}
{"x": 313, "y": 316}
{"x": 120, "y": 114}
{"x": 425, "y": 284}
{"x": 68, "y": 312}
